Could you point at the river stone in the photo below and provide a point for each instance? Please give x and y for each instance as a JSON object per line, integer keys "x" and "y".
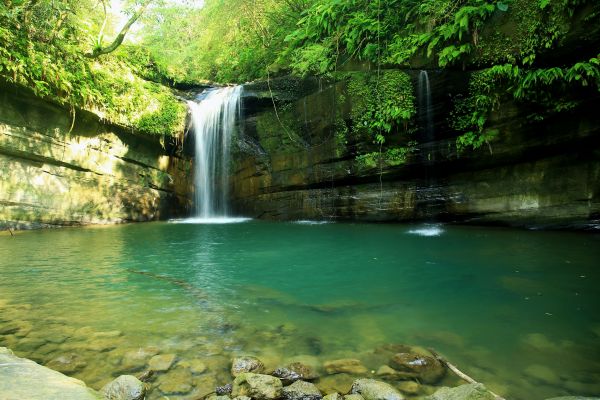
{"x": 161, "y": 362}
{"x": 574, "y": 398}
{"x": 101, "y": 345}
{"x": 301, "y": 390}
{"x": 409, "y": 387}
{"x": 196, "y": 366}
{"x": 471, "y": 391}
{"x": 107, "y": 334}
{"x": 240, "y": 365}
{"x": 257, "y": 386}
{"x": 223, "y": 390}
{"x": 29, "y": 345}
{"x": 425, "y": 368}
{"x": 542, "y": 374}
{"x": 353, "y": 397}
{"x": 346, "y": 365}
{"x": 125, "y": 387}
{"x": 340, "y": 383}
{"x": 67, "y": 363}
{"x": 179, "y": 381}
{"x": 294, "y": 372}
{"x": 372, "y": 389}
{"x": 333, "y": 396}
{"x": 135, "y": 360}
{"x": 24, "y": 379}
{"x": 387, "y": 372}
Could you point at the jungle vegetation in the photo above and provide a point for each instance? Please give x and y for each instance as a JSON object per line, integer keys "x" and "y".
{"x": 86, "y": 54}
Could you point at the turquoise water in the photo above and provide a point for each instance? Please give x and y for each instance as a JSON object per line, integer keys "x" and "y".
{"x": 517, "y": 310}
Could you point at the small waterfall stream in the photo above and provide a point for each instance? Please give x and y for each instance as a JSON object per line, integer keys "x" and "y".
{"x": 214, "y": 117}
{"x": 424, "y": 106}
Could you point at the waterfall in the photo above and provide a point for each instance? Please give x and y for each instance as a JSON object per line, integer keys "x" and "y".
{"x": 214, "y": 117}
{"x": 424, "y": 103}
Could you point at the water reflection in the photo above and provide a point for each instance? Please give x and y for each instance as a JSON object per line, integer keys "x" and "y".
{"x": 498, "y": 303}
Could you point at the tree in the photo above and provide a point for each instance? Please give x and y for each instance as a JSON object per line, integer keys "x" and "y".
{"x": 98, "y": 49}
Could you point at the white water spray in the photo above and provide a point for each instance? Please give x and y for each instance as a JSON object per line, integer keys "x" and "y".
{"x": 214, "y": 118}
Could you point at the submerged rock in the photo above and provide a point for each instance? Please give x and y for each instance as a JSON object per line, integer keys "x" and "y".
{"x": 372, "y": 389}
{"x": 574, "y": 398}
{"x": 346, "y": 365}
{"x": 196, "y": 366}
{"x": 425, "y": 368}
{"x": 409, "y": 387}
{"x": 125, "y": 387}
{"x": 294, "y": 372}
{"x": 67, "y": 364}
{"x": 340, "y": 383}
{"x": 541, "y": 373}
{"x": 178, "y": 381}
{"x": 162, "y": 362}
{"x": 471, "y": 391}
{"x": 301, "y": 390}
{"x": 257, "y": 386}
{"x": 136, "y": 360}
{"x": 240, "y": 365}
{"x": 387, "y": 372}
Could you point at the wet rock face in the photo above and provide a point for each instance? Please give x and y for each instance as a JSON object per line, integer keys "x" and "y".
{"x": 240, "y": 365}
{"x": 474, "y": 391}
{"x": 426, "y": 369}
{"x": 99, "y": 164}
{"x": 294, "y": 372}
{"x": 125, "y": 387}
{"x": 257, "y": 386}
{"x": 301, "y": 390}
{"x": 529, "y": 180}
{"x": 371, "y": 389}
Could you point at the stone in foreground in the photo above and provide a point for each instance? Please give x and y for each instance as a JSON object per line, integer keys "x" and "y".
{"x": 24, "y": 379}
{"x": 294, "y": 372}
{"x": 372, "y": 389}
{"x": 240, "y": 365}
{"x": 125, "y": 387}
{"x": 472, "y": 391}
{"x": 301, "y": 390}
{"x": 257, "y": 386}
{"x": 426, "y": 369}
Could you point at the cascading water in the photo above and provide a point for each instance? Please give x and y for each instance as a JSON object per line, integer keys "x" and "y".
{"x": 214, "y": 117}
{"x": 425, "y": 108}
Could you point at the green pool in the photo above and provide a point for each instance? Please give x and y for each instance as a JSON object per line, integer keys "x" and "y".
{"x": 517, "y": 310}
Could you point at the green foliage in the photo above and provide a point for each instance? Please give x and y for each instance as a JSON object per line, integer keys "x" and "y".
{"x": 42, "y": 45}
{"x": 382, "y": 107}
{"x": 392, "y": 157}
{"x": 382, "y": 103}
{"x": 226, "y": 41}
{"x": 551, "y": 89}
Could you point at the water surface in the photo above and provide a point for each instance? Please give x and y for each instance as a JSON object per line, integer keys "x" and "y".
{"x": 517, "y": 310}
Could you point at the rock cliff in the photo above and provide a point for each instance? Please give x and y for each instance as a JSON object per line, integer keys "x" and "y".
{"x": 299, "y": 161}
{"x": 63, "y": 171}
